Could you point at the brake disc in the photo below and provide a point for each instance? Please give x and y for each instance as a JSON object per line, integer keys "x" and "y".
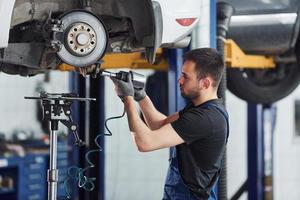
{"x": 84, "y": 39}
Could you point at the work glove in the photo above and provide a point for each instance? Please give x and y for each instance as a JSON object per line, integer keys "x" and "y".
{"x": 124, "y": 88}
{"x": 139, "y": 93}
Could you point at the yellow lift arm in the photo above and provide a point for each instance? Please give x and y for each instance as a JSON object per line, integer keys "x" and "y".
{"x": 234, "y": 58}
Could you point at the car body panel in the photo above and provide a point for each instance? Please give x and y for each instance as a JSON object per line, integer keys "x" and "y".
{"x": 263, "y": 34}
{"x": 6, "y": 8}
{"x": 172, "y": 31}
{"x": 264, "y": 6}
{"x": 175, "y": 9}
{"x": 268, "y": 27}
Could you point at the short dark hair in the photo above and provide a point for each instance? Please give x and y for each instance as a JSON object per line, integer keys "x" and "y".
{"x": 208, "y": 62}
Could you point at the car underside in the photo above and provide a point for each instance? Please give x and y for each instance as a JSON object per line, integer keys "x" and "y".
{"x": 46, "y": 32}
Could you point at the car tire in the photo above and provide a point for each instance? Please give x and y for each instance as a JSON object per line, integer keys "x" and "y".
{"x": 263, "y": 85}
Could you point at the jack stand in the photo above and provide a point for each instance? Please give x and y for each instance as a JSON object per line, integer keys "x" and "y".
{"x": 52, "y": 173}
{"x": 57, "y": 107}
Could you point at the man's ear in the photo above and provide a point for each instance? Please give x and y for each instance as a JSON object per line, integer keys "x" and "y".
{"x": 204, "y": 83}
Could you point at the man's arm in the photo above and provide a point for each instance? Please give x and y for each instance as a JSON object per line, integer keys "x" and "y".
{"x": 153, "y": 117}
{"x": 145, "y": 138}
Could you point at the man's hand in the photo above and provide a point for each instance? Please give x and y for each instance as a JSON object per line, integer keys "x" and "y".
{"x": 124, "y": 88}
{"x": 139, "y": 94}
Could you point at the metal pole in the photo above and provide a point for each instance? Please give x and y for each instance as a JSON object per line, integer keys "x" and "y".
{"x": 255, "y": 147}
{"x": 52, "y": 175}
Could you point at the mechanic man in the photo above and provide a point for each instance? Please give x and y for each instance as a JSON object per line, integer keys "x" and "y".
{"x": 199, "y": 131}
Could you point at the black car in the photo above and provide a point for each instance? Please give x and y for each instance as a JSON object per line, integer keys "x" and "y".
{"x": 266, "y": 27}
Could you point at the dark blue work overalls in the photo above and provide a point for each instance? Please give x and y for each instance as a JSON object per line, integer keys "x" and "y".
{"x": 175, "y": 189}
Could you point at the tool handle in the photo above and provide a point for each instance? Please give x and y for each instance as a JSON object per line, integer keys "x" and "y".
{"x": 121, "y": 75}
{"x": 138, "y": 80}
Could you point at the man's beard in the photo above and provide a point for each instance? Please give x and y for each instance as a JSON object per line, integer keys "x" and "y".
{"x": 190, "y": 96}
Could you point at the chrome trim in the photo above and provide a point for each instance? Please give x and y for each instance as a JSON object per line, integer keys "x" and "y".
{"x": 265, "y": 19}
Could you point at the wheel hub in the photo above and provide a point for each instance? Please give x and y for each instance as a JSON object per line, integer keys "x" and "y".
{"x": 84, "y": 38}
{"x": 81, "y": 39}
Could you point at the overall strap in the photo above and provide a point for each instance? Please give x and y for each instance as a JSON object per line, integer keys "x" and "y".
{"x": 172, "y": 152}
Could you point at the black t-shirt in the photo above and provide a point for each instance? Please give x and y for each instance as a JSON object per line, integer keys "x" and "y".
{"x": 204, "y": 130}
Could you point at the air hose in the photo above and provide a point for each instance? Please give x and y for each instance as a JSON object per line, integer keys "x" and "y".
{"x": 78, "y": 174}
{"x": 224, "y": 13}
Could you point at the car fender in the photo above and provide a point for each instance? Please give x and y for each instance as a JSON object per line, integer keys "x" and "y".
{"x": 6, "y": 9}
{"x": 296, "y": 36}
{"x": 158, "y": 24}
{"x": 158, "y": 31}
{"x": 175, "y": 9}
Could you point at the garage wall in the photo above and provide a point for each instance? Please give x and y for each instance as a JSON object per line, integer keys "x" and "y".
{"x": 237, "y": 144}
{"x": 286, "y": 148}
{"x": 18, "y": 113}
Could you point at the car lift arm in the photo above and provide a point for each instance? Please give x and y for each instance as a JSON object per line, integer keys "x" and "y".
{"x": 234, "y": 58}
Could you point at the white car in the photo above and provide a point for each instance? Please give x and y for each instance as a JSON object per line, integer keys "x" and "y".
{"x": 37, "y": 35}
